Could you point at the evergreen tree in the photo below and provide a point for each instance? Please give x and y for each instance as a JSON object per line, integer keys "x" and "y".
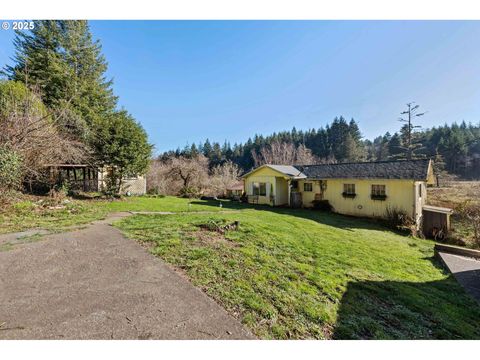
{"x": 193, "y": 150}
{"x": 216, "y": 156}
{"x": 350, "y": 148}
{"x": 60, "y": 58}
{"x": 227, "y": 152}
{"x": 90, "y": 91}
{"x": 453, "y": 148}
{"x": 38, "y": 61}
{"x": 122, "y": 144}
{"x": 337, "y": 135}
{"x": 207, "y": 149}
{"x": 456, "y": 147}
{"x": 395, "y": 148}
{"x": 354, "y": 130}
{"x": 381, "y": 147}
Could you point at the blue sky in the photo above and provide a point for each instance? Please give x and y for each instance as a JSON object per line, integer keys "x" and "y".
{"x": 186, "y": 81}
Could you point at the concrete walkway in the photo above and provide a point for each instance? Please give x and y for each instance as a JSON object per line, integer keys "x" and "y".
{"x": 93, "y": 283}
{"x": 466, "y": 270}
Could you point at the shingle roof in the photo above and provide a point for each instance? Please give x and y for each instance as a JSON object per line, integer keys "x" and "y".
{"x": 401, "y": 169}
{"x": 287, "y": 170}
{"x": 236, "y": 186}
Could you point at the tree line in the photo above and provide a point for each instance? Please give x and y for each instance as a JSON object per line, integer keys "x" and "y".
{"x": 57, "y": 106}
{"x": 455, "y": 148}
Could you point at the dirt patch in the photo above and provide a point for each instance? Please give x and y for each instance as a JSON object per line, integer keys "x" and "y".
{"x": 211, "y": 238}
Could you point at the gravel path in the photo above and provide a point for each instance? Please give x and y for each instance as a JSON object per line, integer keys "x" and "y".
{"x": 93, "y": 283}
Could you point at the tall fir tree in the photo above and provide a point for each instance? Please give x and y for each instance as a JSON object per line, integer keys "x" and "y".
{"x": 207, "y": 149}
{"x": 38, "y": 61}
{"x": 61, "y": 59}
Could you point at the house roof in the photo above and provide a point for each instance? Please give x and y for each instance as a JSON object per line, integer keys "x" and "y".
{"x": 287, "y": 170}
{"x": 69, "y": 165}
{"x": 399, "y": 169}
{"x": 437, "y": 209}
{"x": 236, "y": 186}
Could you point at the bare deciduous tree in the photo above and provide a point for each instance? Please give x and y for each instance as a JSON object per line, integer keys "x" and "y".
{"x": 31, "y": 131}
{"x": 158, "y": 181}
{"x": 192, "y": 172}
{"x": 191, "y": 176}
{"x": 222, "y": 177}
{"x": 471, "y": 212}
{"x": 284, "y": 153}
{"x": 179, "y": 175}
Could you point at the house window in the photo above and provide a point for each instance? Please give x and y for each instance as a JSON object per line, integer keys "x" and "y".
{"x": 420, "y": 190}
{"x": 307, "y": 187}
{"x": 263, "y": 189}
{"x": 379, "y": 192}
{"x": 260, "y": 188}
{"x": 349, "y": 190}
{"x": 294, "y": 185}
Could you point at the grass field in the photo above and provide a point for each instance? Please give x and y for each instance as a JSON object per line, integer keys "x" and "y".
{"x": 37, "y": 212}
{"x": 288, "y": 274}
{"x": 455, "y": 193}
{"x": 297, "y": 274}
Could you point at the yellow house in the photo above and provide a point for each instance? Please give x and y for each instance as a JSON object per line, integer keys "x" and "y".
{"x": 271, "y": 184}
{"x": 364, "y": 189}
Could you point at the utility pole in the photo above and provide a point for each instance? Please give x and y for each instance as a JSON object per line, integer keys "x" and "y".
{"x": 411, "y": 112}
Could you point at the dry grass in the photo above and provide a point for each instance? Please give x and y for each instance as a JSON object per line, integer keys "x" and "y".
{"x": 453, "y": 195}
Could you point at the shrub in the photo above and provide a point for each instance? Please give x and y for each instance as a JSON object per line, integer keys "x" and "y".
{"x": 322, "y": 205}
{"x": 31, "y": 131}
{"x": 59, "y": 193}
{"x": 153, "y": 191}
{"x": 471, "y": 213}
{"x": 394, "y": 217}
{"x": 190, "y": 192}
{"x": 399, "y": 220}
{"x": 244, "y": 197}
{"x": 10, "y": 170}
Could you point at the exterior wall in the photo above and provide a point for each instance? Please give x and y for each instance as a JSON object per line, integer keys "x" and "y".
{"x": 400, "y": 194}
{"x": 406, "y": 195}
{"x": 136, "y": 186}
{"x": 281, "y": 194}
{"x": 309, "y": 196}
{"x": 268, "y": 176}
{"x": 265, "y": 179}
{"x": 231, "y": 193}
{"x": 420, "y": 199}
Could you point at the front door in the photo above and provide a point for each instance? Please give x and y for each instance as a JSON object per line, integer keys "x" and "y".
{"x": 296, "y": 199}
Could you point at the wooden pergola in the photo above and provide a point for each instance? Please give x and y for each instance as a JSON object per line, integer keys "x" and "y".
{"x": 78, "y": 176}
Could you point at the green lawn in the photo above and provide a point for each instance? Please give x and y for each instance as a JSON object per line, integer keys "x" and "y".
{"x": 169, "y": 204}
{"x": 303, "y": 274}
{"x": 34, "y": 213}
{"x": 289, "y": 273}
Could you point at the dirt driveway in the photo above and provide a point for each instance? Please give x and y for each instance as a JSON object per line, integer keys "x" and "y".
{"x": 94, "y": 283}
